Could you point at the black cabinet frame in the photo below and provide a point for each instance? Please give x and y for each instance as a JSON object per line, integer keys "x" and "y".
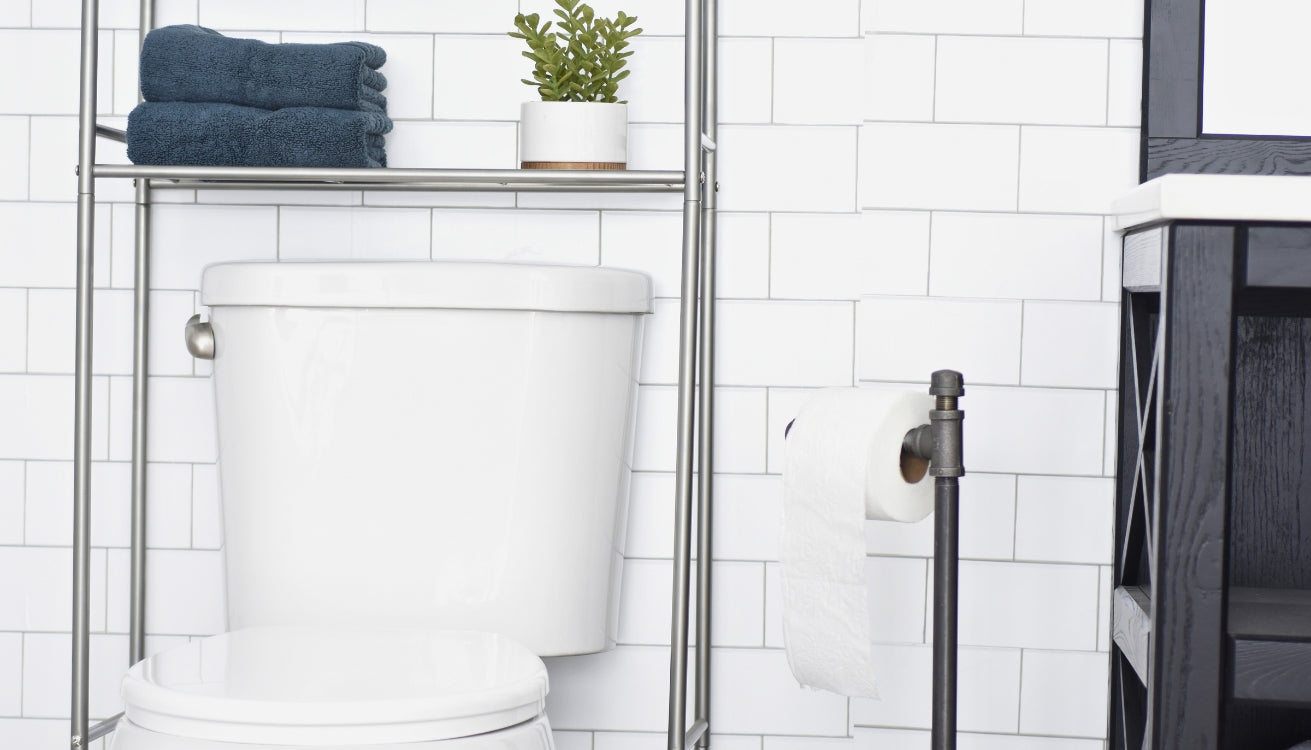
{"x": 1172, "y": 138}
{"x": 1211, "y": 613}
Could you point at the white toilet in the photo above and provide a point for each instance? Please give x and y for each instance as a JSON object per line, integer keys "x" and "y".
{"x": 424, "y": 473}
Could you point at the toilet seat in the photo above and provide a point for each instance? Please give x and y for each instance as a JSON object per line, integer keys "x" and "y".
{"x": 334, "y": 686}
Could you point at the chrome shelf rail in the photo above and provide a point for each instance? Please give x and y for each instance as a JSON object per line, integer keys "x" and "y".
{"x": 502, "y": 179}
{"x": 696, "y": 182}
{"x": 140, "y": 395}
{"x": 113, "y": 134}
{"x": 705, "y": 520}
{"x": 435, "y": 187}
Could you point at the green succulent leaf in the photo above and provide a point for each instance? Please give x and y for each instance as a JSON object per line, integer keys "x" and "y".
{"x": 583, "y": 59}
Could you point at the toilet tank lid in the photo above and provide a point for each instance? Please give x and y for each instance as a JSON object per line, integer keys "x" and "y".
{"x": 427, "y": 284}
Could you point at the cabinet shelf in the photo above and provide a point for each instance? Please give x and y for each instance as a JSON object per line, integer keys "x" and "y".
{"x": 1269, "y": 633}
{"x": 463, "y": 180}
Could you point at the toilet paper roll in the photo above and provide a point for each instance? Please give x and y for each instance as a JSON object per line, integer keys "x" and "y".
{"x": 843, "y": 465}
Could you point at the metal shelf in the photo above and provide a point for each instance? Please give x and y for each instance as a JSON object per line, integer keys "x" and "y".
{"x": 464, "y": 180}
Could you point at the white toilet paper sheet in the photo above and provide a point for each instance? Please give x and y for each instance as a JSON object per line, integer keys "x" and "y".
{"x": 843, "y": 465}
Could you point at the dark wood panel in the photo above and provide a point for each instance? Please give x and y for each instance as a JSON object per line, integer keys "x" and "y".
{"x": 1278, "y": 303}
{"x": 1278, "y": 256}
{"x": 1172, "y": 45}
{"x": 1271, "y": 632}
{"x": 1131, "y": 627}
{"x": 1228, "y": 156}
{"x": 1270, "y": 513}
{"x": 1256, "y": 726}
{"x": 1186, "y": 687}
{"x": 1270, "y": 614}
{"x": 1273, "y": 671}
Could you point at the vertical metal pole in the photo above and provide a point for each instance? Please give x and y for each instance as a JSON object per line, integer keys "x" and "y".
{"x": 705, "y": 521}
{"x": 946, "y": 546}
{"x": 692, "y": 113}
{"x": 946, "y": 423}
{"x": 140, "y": 371}
{"x": 86, "y": 186}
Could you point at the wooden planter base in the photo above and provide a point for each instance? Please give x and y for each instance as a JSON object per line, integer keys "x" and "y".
{"x": 573, "y": 165}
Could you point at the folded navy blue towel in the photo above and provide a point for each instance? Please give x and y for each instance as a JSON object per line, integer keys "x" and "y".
{"x": 226, "y": 135}
{"x": 196, "y": 64}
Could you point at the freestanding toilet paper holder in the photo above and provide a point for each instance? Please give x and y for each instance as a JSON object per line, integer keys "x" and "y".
{"x": 940, "y": 442}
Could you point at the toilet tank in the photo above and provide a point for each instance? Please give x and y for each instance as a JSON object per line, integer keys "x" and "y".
{"x": 435, "y": 444}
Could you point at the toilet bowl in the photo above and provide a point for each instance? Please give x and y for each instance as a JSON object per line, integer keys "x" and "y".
{"x": 531, "y": 735}
{"x": 424, "y": 471}
{"x": 299, "y": 687}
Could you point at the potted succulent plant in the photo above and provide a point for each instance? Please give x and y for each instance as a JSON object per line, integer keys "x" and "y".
{"x": 579, "y": 123}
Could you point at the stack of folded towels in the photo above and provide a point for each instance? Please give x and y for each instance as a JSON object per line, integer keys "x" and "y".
{"x": 216, "y": 101}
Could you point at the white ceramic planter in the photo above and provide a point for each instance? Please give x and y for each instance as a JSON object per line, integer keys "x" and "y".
{"x": 573, "y": 135}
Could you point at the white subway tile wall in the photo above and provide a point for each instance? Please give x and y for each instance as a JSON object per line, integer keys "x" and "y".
{"x": 1007, "y": 126}
{"x": 1021, "y": 79}
{"x": 939, "y": 166}
{"x": 895, "y": 174}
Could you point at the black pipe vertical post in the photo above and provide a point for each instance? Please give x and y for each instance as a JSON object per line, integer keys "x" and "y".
{"x": 946, "y": 547}
{"x": 946, "y": 466}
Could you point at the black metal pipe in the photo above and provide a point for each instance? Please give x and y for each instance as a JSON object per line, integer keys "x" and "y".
{"x": 941, "y": 442}
{"x": 947, "y": 464}
{"x": 946, "y": 567}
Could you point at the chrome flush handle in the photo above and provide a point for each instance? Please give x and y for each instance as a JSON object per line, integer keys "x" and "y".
{"x": 200, "y": 338}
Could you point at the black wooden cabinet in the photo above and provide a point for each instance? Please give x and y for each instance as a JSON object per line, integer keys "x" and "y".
{"x": 1212, "y": 607}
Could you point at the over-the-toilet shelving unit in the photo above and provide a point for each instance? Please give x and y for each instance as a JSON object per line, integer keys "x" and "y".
{"x": 697, "y": 182}
{"x": 1211, "y": 613}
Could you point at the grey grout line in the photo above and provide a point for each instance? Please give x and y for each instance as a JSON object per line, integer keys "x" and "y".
{"x": 1107, "y": 426}
{"x": 1019, "y": 702}
{"x": 1107, "y": 121}
{"x": 928, "y": 589}
{"x": 125, "y": 548}
{"x": 27, "y": 327}
{"x": 671, "y": 35}
{"x": 855, "y": 343}
{"x": 928, "y": 258}
{"x": 22, "y": 529}
{"x": 1015, "y": 520}
{"x": 1097, "y": 623}
{"x": 1105, "y": 255}
{"x": 1019, "y": 166}
{"x": 933, "y": 107}
{"x": 1097, "y": 126}
{"x": 667, "y": 209}
{"x": 27, "y": 195}
{"x": 1019, "y": 376}
{"x": 1000, "y": 35}
{"x": 22, "y": 667}
{"x": 104, "y": 623}
{"x": 191, "y": 503}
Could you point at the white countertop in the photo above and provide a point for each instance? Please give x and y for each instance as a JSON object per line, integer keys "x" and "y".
{"x": 1215, "y": 197}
